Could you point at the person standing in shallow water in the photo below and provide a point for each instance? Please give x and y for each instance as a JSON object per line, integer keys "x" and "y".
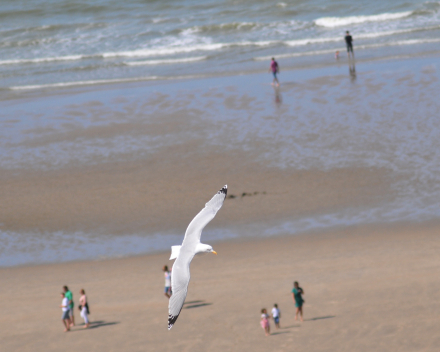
{"x": 349, "y": 41}
{"x": 275, "y": 69}
{"x": 167, "y": 274}
{"x": 297, "y": 293}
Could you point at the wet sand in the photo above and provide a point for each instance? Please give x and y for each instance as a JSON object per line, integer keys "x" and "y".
{"x": 367, "y": 288}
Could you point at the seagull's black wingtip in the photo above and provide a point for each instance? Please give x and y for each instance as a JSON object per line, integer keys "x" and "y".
{"x": 224, "y": 190}
{"x": 171, "y": 321}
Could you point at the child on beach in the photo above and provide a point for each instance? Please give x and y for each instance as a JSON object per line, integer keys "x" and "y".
{"x": 276, "y": 315}
{"x": 65, "y": 318}
{"x": 297, "y": 293}
{"x": 167, "y": 274}
{"x": 265, "y": 321}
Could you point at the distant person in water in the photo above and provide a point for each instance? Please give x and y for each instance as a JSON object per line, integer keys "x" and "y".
{"x": 265, "y": 321}
{"x": 276, "y": 315}
{"x": 275, "y": 69}
{"x": 297, "y": 293}
{"x": 337, "y": 55}
{"x": 349, "y": 42}
{"x": 65, "y": 317}
{"x": 167, "y": 274}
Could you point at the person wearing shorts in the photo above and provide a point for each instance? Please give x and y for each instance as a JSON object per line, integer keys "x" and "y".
{"x": 297, "y": 293}
{"x": 65, "y": 317}
{"x": 349, "y": 41}
{"x": 276, "y": 314}
{"x": 68, "y": 294}
{"x": 167, "y": 274}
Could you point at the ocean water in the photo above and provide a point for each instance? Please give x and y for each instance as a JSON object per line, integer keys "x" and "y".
{"x": 56, "y": 56}
{"x": 56, "y": 43}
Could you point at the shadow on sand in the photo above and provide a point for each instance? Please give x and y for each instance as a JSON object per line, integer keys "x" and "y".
{"x": 279, "y": 333}
{"x": 193, "y": 302}
{"x": 198, "y": 305}
{"x": 97, "y": 324}
{"x": 291, "y": 326}
{"x": 320, "y": 318}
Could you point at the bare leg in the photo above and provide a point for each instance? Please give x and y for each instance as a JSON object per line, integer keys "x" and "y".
{"x": 72, "y": 318}
{"x": 301, "y": 313}
{"x": 267, "y": 331}
{"x": 296, "y": 313}
{"x": 66, "y": 323}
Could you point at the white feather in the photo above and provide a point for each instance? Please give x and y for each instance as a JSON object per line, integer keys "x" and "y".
{"x": 180, "y": 274}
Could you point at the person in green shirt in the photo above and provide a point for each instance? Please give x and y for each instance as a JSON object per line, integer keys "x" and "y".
{"x": 297, "y": 293}
{"x": 68, "y": 294}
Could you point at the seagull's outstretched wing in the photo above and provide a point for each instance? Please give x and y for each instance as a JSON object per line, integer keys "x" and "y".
{"x": 195, "y": 227}
{"x": 180, "y": 274}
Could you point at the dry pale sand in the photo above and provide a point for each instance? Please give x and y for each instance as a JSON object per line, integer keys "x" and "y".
{"x": 370, "y": 288}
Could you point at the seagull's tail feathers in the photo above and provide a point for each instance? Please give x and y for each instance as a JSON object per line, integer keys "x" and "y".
{"x": 175, "y": 250}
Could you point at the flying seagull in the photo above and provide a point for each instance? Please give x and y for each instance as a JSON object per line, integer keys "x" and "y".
{"x": 185, "y": 253}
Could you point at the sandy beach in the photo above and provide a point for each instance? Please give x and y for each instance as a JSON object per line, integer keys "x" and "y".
{"x": 120, "y": 120}
{"x": 367, "y": 288}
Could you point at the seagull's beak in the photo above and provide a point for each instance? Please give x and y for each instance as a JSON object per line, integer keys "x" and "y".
{"x": 214, "y": 252}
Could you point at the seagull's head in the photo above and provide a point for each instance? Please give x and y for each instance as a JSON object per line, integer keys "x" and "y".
{"x": 204, "y": 248}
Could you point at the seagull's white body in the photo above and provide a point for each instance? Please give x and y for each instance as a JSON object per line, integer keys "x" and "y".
{"x": 185, "y": 253}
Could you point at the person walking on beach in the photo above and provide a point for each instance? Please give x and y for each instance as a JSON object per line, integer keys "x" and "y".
{"x": 349, "y": 42}
{"x": 84, "y": 308}
{"x": 167, "y": 274}
{"x": 297, "y": 293}
{"x": 275, "y": 69}
{"x": 65, "y": 318}
{"x": 265, "y": 321}
{"x": 69, "y": 296}
{"x": 276, "y": 315}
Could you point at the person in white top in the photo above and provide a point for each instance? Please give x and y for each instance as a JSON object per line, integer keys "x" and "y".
{"x": 65, "y": 318}
{"x": 276, "y": 315}
{"x": 167, "y": 274}
{"x": 84, "y": 308}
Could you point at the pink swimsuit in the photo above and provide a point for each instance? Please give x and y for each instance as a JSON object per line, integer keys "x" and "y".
{"x": 265, "y": 321}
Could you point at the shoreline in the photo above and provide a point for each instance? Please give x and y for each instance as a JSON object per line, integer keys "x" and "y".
{"x": 66, "y": 87}
{"x": 327, "y": 232}
{"x": 326, "y": 149}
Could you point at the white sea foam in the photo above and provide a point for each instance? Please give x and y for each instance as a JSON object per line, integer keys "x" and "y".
{"x": 83, "y": 83}
{"x": 171, "y": 50}
{"x": 161, "y": 51}
{"x": 344, "y": 21}
{"x": 166, "y": 61}
{"x": 301, "y": 42}
{"x": 102, "y": 81}
{"x": 43, "y": 59}
{"x": 358, "y": 47}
